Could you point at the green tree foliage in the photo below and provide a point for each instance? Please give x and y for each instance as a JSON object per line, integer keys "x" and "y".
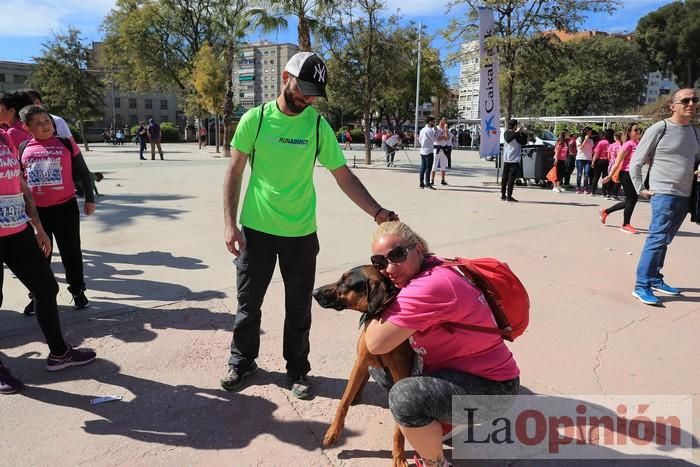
{"x": 517, "y": 23}
{"x": 360, "y": 51}
{"x": 397, "y": 96}
{"x": 670, "y": 38}
{"x": 600, "y": 75}
{"x": 272, "y": 15}
{"x": 209, "y": 80}
{"x": 152, "y": 43}
{"x": 68, "y": 88}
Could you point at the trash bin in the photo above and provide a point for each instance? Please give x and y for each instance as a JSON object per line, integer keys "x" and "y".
{"x": 536, "y": 162}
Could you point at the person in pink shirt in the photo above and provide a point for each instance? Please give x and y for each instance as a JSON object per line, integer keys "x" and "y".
{"x": 24, "y": 247}
{"x": 613, "y": 149}
{"x": 449, "y": 361}
{"x": 621, "y": 169}
{"x": 561, "y": 150}
{"x": 49, "y": 168}
{"x": 600, "y": 161}
{"x": 10, "y": 105}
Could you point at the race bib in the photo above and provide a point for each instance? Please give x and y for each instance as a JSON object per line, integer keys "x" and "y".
{"x": 45, "y": 172}
{"x": 12, "y": 211}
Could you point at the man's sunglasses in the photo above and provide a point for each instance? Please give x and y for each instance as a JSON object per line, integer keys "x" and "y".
{"x": 395, "y": 256}
{"x": 688, "y": 100}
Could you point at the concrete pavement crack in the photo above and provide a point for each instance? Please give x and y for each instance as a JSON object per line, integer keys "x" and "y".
{"x": 601, "y": 349}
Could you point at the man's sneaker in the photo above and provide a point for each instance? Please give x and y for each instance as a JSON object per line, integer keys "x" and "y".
{"x": 603, "y": 215}
{"x": 510, "y": 199}
{"x": 443, "y": 182}
{"x": 72, "y": 357}
{"x": 29, "y": 309}
{"x": 629, "y": 229}
{"x": 300, "y": 386}
{"x": 646, "y": 296}
{"x": 9, "y": 384}
{"x": 579, "y": 192}
{"x": 431, "y": 187}
{"x": 80, "y": 301}
{"x": 233, "y": 379}
{"x": 665, "y": 288}
{"x": 421, "y": 186}
{"x": 503, "y": 197}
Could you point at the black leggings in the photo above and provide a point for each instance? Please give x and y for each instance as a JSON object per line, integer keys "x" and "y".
{"x": 630, "y": 199}
{"x": 24, "y": 258}
{"x": 63, "y": 222}
{"x": 600, "y": 170}
{"x": 419, "y": 400}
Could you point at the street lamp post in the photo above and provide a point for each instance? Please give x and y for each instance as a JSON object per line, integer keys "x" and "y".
{"x": 415, "y": 126}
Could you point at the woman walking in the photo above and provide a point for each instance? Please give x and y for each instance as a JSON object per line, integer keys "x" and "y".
{"x": 561, "y": 150}
{"x": 621, "y": 169}
{"x": 600, "y": 161}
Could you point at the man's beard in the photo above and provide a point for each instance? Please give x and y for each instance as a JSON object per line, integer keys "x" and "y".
{"x": 294, "y": 106}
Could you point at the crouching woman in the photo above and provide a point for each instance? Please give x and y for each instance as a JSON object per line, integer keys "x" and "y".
{"x": 449, "y": 361}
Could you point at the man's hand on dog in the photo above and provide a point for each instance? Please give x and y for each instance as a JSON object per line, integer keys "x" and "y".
{"x": 233, "y": 237}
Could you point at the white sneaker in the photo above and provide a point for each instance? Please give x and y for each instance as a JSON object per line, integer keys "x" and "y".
{"x": 556, "y": 189}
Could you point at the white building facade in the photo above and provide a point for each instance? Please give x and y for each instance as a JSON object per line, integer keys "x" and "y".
{"x": 468, "y": 100}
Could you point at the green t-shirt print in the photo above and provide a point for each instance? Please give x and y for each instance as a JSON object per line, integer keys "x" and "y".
{"x": 280, "y": 198}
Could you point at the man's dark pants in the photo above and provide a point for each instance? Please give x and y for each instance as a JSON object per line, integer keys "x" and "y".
{"x": 426, "y": 165}
{"x": 255, "y": 266}
{"x": 510, "y": 173}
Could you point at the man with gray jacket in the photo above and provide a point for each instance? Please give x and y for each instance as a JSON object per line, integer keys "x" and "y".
{"x": 672, "y": 147}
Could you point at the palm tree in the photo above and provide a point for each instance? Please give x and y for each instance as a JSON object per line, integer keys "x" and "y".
{"x": 271, "y": 15}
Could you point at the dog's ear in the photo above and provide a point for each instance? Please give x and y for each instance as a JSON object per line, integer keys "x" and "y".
{"x": 379, "y": 294}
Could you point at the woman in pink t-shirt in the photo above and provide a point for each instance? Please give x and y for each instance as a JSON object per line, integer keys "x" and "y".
{"x": 613, "y": 149}
{"x": 600, "y": 161}
{"x": 449, "y": 361}
{"x": 24, "y": 247}
{"x": 10, "y": 105}
{"x": 561, "y": 150}
{"x": 50, "y": 168}
{"x": 622, "y": 162}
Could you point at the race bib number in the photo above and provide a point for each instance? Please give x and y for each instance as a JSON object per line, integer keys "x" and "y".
{"x": 45, "y": 172}
{"x": 12, "y": 212}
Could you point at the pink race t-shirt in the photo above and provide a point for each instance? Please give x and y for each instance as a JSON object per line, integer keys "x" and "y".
{"x": 48, "y": 168}
{"x": 628, "y": 148}
{"x": 13, "y": 216}
{"x": 612, "y": 153}
{"x": 601, "y": 149}
{"x": 563, "y": 151}
{"x": 18, "y": 134}
{"x": 435, "y": 297}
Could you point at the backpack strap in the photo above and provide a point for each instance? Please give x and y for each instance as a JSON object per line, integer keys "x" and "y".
{"x": 66, "y": 142}
{"x": 260, "y": 120}
{"x": 318, "y": 146}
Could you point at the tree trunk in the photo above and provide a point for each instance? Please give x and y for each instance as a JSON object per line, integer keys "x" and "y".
{"x": 304, "y": 35}
{"x": 82, "y": 134}
{"x": 368, "y": 141}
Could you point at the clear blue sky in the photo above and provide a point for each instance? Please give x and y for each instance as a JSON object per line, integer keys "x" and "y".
{"x": 22, "y": 37}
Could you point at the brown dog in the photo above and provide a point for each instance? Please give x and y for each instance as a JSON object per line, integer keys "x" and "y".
{"x": 364, "y": 289}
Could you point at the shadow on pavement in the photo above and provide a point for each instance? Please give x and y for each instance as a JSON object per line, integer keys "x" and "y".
{"x": 122, "y": 210}
{"x": 180, "y": 415}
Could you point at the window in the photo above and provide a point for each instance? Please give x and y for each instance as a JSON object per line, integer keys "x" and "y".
{"x": 163, "y": 104}
{"x": 2, "y": 77}
{"x": 132, "y": 103}
{"x": 163, "y": 118}
{"x": 133, "y": 119}
{"x": 18, "y": 79}
{"x": 117, "y": 102}
{"x": 149, "y": 103}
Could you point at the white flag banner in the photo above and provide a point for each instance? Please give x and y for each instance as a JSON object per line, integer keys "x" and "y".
{"x": 489, "y": 98}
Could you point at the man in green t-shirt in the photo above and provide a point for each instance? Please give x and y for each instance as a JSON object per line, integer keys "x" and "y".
{"x": 282, "y": 140}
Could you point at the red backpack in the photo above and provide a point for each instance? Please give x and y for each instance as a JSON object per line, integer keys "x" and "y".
{"x": 503, "y": 291}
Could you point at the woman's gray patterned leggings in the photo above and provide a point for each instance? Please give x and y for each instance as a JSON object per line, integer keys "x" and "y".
{"x": 419, "y": 400}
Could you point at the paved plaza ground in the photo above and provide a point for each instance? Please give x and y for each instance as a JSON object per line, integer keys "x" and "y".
{"x": 162, "y": 291}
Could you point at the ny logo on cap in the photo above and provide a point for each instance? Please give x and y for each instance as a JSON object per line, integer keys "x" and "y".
{"x": 320, "y": 73}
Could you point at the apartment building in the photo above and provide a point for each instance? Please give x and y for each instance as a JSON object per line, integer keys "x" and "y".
{"x": 257, "y": 77}
{"x": 468, "y": 90}
{"x": 13, "y": 75}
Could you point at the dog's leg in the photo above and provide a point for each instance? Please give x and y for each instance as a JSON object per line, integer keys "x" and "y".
{"x": 358, "y": 378}
{"x": 399, "y": 362}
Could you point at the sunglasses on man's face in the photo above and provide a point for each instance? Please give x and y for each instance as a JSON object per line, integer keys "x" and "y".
{"x": 395, "y": 256}
{"x": 688, "y": 100}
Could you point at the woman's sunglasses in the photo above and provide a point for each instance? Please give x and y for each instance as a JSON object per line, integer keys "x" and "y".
{"x": 395, "y": 256}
